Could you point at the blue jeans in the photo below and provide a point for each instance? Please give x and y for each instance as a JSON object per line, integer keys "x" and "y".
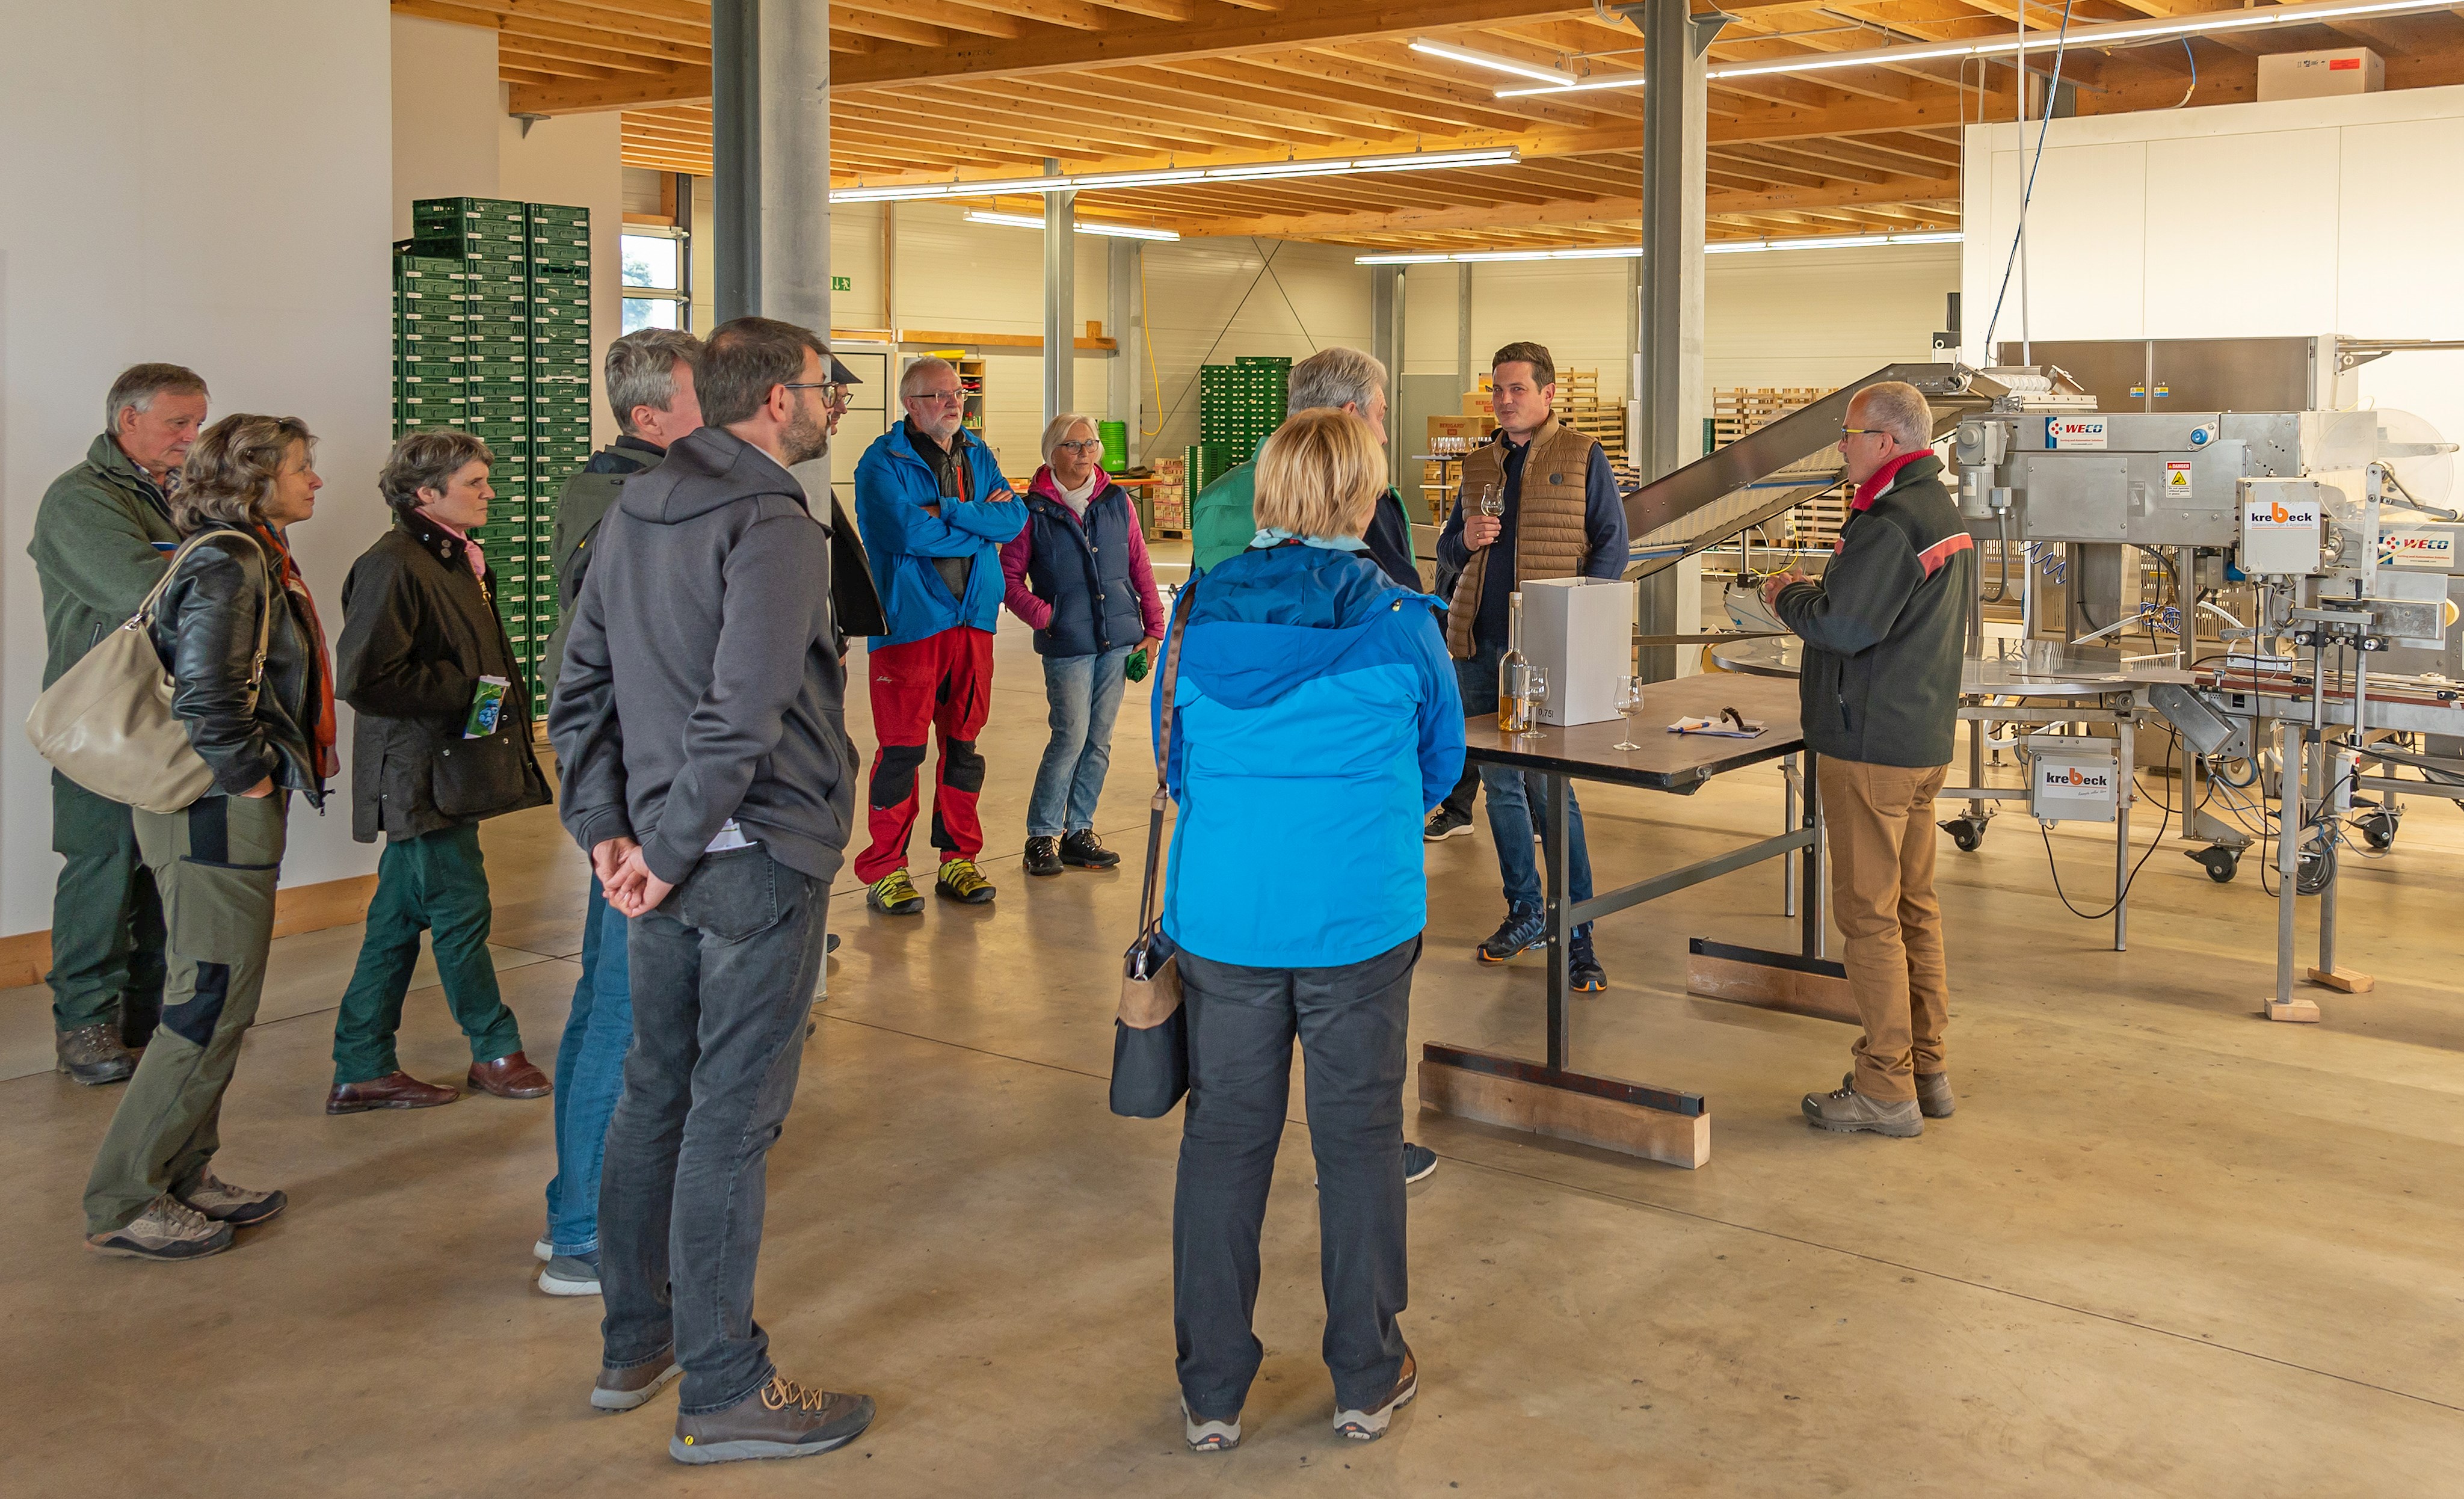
{"x": 1086, "y": 694}
{"x": 589, "y": 1077}
{"x": 1518, "y": 802}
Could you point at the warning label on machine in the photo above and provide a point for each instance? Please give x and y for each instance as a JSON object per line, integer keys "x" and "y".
{"x": 2177, "y": 478}
{"x": 2075, "y": 432}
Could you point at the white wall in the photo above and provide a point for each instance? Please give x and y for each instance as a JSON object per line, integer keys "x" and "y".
{"x": 207, "y": 210}
{"x": 2296, "y": 217}
{"x": 1216, "y": 295}
{"x": 574, "y": 160}
{"x": 446, "y": 109}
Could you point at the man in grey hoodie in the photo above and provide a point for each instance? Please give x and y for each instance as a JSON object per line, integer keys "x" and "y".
{"x": 700, "y": 720}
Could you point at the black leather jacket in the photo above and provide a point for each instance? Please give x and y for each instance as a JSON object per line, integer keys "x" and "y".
{"x": 205, "y": 629}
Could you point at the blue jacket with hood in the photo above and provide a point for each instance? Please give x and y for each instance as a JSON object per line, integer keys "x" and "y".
{"x": 1313, "y": 695}
{"x": 894, "y": 485}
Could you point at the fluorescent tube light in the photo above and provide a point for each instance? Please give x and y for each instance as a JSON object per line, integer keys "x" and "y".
{"x": 1249, "y": 171}
{"x": 2086, "y": 37}
{"x": 1490, "y": 59}
{"x": 1717, "y": 247}
{"x": 1082, "y": 225}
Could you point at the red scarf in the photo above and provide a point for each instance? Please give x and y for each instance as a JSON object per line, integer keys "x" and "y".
{"x": 1872, "y": 488}
{"x": 322, "y": 731}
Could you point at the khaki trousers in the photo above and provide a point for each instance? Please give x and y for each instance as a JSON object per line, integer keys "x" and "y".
{"x": 1881, "y": 840}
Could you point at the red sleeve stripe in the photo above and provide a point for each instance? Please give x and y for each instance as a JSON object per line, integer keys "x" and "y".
{"x": 1943, "y": 551}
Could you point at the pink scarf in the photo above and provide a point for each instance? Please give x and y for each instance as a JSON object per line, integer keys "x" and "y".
{"x": 470, "y": 548}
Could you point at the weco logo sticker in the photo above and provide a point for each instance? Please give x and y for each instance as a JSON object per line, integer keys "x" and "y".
{"x": 2075, "y": 432}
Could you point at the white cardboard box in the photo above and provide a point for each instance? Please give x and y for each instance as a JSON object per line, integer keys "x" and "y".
{"x": 2313, "y": 74}
{"x": 1580, "y": 630}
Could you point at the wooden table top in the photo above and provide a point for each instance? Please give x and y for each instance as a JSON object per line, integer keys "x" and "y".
{"x": 1678, "y": 762}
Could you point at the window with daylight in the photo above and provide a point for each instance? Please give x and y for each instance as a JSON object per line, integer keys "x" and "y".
{"x": 653, "y": 278}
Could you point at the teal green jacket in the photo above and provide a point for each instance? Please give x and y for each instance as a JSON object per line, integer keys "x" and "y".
{"x": 1223, "y": 519}
{"x": 103, "y": 537}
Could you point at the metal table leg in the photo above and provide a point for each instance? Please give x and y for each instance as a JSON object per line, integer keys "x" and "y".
{"x": 1560, "y": 929}
{"x": 2288, "y": 828}
{"x": 2125, "y": 738}
{"x": 1812, "y": 936}
{"x": 1788, "y": 824}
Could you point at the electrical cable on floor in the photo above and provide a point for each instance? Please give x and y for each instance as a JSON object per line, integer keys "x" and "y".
{"x": 2132, "y": 879}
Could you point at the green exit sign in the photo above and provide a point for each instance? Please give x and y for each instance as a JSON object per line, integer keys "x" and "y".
{"x": 842, "y": 283}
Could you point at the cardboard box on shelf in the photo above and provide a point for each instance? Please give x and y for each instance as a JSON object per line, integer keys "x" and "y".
{"x": 2315, "y": 74}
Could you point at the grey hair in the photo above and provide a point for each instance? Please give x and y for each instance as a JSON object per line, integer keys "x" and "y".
{"x": 1333, "y": 377}
{"x": 642, "y": 370}
{"x": 139, "y": 384}
{"x": 916, "y": 373}
{"x": 1899, "y": 408}
{"x": 1059, "y": 428}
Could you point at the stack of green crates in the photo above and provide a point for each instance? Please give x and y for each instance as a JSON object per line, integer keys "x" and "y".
{"x": 1240, "y": 403}
{"x": 491, "y": 336}
{"x": 1201, "y": 465}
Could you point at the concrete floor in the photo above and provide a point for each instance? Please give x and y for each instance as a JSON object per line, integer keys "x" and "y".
{"x": 2164, "y": 1248}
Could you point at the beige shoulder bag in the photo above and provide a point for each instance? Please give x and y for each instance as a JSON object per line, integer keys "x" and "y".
{"x": 107, "y": 723}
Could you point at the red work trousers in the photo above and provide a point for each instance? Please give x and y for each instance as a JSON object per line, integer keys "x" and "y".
{"x": 943, "y": 682}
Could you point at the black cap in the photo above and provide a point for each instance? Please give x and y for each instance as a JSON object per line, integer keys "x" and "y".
{"x": 840, "y": 375}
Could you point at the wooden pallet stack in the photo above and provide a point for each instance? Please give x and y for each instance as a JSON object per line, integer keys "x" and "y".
{"x": 1578, "y": 406}
{"x": 1738, "y": 410}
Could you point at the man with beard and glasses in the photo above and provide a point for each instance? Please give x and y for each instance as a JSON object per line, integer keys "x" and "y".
{"x": 700, "y": 719}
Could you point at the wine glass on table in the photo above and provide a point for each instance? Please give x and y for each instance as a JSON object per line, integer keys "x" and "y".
{"x": 1629, "y": 702}
{"x": 1535, "y": 692}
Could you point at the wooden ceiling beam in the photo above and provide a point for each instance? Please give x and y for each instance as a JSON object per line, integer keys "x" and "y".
{"x": 1027, "y": 97}
{"x": 1340, "y": 225}
{"x": 896, "y": 28}
{"x": 937, "y": 13}
{"x": 1175, "y": 98}
{"x": 1073, "y": 15}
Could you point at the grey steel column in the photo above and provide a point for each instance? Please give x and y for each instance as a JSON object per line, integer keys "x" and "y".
{"x": 795, "y": 176}
{"x": 1670, "y": 322}
{"x": 735, "y": 156}
{"x": 1462, "y": 324}
{"x": 1386, "y": 340}
{"x": 1122, "y": 259}
{"x": 1060, "y": 301}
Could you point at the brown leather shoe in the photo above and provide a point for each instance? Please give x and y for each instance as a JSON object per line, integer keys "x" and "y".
{"x": 509, "y": 1076}
{"x": 393, "y": 1091}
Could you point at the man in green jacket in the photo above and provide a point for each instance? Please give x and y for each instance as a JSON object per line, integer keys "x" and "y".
{"x": 102, "y": 539}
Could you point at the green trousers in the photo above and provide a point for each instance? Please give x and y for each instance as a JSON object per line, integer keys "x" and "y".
{"x": 106, "y": 918}
{"x": 216, "y": 865}
{"x": 437, "y": 884}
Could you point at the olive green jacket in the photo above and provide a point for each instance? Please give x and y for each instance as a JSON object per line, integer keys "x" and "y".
{"x": 96, "y": 550}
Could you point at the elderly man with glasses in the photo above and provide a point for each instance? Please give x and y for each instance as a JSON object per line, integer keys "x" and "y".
{"x": 1884, "y": 628}
{"x": 935, "y": 513}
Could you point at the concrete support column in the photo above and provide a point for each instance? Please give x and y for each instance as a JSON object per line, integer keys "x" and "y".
{"x": 735, "y": 156}
{"x": 1386, "y": 336}
{"x": 1060, "y": 301}
{"x": 770, "y": 101}
{"x": 1462, "y": 325}
{"x": 1670, "y": 317}
{"x": 1123, "y": 322}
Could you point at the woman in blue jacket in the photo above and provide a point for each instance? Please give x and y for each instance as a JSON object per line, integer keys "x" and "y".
{"x": 1311, "y": 692}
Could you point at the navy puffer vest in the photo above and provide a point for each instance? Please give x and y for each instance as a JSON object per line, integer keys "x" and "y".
{"x": 1083, "y": 573}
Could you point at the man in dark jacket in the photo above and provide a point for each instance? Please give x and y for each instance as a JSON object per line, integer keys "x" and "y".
{"x": 100, "y": 541}
{"x": 1885, "y": 630}
{"x": 700, "y": 719}
{"x": 442, "y": 742}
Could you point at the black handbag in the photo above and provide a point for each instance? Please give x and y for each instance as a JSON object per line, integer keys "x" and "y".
{"x": 1151, "y": 1032}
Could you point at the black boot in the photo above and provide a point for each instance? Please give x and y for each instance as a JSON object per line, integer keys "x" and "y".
{"x": 1087, "y": 851}
{"x": 1044, "y": 856}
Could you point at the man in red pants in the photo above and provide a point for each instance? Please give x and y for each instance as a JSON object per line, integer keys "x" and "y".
{"x": 935, "y": 511}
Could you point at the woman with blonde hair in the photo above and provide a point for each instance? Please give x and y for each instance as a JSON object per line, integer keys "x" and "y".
{"x": 153, "y": 1192}
{"x": 1078, "y": 574}
{"x": 1309, "y": 692}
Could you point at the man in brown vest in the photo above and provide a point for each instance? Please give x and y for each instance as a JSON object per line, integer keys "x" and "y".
{"x": 1562, "y": 518}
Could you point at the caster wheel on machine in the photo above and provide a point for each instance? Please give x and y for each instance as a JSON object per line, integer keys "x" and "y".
{"x": 2220, "y": 862}
{"x": 1968, "y": 833}
{"x": 2379, "y": 828}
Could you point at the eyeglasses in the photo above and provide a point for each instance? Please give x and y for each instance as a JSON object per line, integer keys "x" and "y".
{"x": 1868, "y": 431}
{"x": 936, "y": 395}
{"x": 1081, "y": 446}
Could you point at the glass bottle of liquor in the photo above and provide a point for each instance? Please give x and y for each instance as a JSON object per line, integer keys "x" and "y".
{"x": 1513, "y": 674}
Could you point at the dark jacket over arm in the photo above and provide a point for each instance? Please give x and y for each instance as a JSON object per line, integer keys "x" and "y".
{"x": 205, "y": 629}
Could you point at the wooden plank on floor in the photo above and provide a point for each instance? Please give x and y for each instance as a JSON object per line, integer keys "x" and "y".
{"x": 1811, "y": 986}
{"x": 1630, "y": 1129}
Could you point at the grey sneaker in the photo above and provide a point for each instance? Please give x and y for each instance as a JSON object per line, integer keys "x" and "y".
{"x": 168, "y": 1229}
{"x": 1934, "y": 1093}
{"x": 93, "y": 1055}
{"x": 1418, "y": 1163}
{"x": 1367, "y": 1425}
{"x": 628, "y": 1389}
{"x": 1849, "y": 1111}
{"x": 1205, "y": 1435}
{"x": 571, "y": 1275}
{"x": 782, "y": 1418}
{"x": 238, "y": 1206}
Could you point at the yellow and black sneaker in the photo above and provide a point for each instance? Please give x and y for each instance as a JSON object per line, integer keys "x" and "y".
{"x": 962, "y": 881}
{"x": 894, "y": 894}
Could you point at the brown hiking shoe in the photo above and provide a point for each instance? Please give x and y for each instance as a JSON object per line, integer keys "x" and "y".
{"x": 93, "y": 1055}
{"x": 241, "y": 1207}
{"x": 1934, "y": 1098}
{"x": 625, "y": 1389}
{"x": 1367, "y": 1425}
{"x": 168, "y": 1229}
{"x": 1848, "y": 1112}
{"x": 782, "y": 1418}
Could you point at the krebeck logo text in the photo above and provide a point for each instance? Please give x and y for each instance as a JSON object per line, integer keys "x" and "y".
{"x": 2071, "y": 778}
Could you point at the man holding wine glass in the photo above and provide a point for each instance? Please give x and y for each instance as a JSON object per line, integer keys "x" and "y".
{"x": 1539, "y": 501}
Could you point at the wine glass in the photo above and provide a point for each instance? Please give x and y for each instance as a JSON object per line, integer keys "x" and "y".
{"x": 1492, "y": 504}
{"x": 1629, "y": 702}
{"x": 1535, "y": 692}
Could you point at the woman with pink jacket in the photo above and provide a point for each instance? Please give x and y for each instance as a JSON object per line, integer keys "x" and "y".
{"x": 1078, "y": 574}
